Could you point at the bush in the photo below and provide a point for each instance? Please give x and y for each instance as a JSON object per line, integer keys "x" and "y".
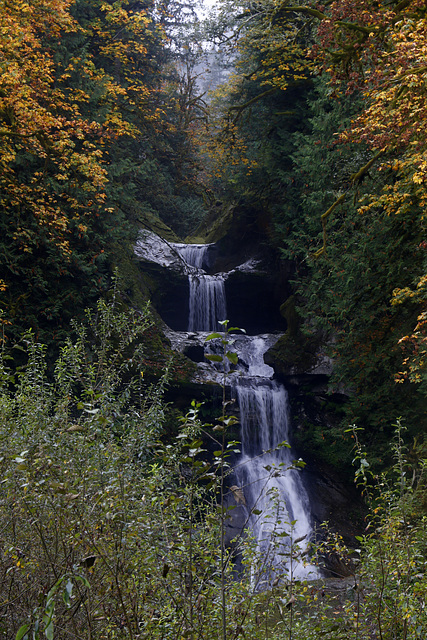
{"x": 108, "y": 533}
{"x": 105, "y": 531}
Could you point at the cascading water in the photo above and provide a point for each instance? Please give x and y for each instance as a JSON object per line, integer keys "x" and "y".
{"x": 207, "y": 304}
{"x": 279, "y": 515}
{"x": 195, "y": 255}
{"x": 277, "y": 503}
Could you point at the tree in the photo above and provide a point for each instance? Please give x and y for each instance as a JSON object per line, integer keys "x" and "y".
{"x": 380, "y": 50}
{"x": 53, "y": 159}
{"x": 82, "y": 109}
{"x": 342, "y": 178}
{"x": 256, "y": 105}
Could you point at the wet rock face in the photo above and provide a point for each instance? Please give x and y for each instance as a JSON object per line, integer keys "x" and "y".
{"x": 151, "y": 248}
{"x": 253, "y": 289}
{"x": 252, "y": 302}
{"x": 165, "y": 274}
{"x": 167, "y": 290}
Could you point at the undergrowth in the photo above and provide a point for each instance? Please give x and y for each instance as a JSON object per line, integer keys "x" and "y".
{"x": 108, "y": 533}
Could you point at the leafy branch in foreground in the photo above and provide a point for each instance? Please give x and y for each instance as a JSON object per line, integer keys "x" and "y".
{"x": 392, "y": 576}
{"x": 91, "y": 496}
{"x": 128, "y": 529}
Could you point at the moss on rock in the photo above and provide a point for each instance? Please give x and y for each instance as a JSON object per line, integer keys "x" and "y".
{"x": 149, "y": 220}
{"x": 295, "y": 353}
{"x": 289, "y": 312}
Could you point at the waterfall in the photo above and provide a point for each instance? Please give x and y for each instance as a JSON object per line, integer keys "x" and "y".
{"x": 273, "y": 488}
{"x": 195, "y": 255}
{"x": 275, "y": 500}
{"x": 207, "y": 304}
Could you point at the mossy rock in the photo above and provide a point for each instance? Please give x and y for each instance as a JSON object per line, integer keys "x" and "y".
{"x": 230, "y": 221}
{"x": 149, "y": 220}
{"x": 294, "y": 354}
{"x": 214, "y": 226}
{"x": 289, "y": 312}
{"x": 160, "y": 356}
{"x": 137, "y": 289}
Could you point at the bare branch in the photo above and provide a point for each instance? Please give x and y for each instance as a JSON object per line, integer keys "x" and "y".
{"x": 240, "y": 108}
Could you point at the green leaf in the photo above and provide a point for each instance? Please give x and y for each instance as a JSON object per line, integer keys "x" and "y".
{"x": 22, "y": 631}
{"x": 213, "y": 336}
{"x": 48, "y": 618}
{"x": 67, "y": 593}
{"x": 232, "y": 357}
{"x": 194, "y": 452}
{"x": 213, "y": 357}
{"x": 283, "y": 444}
{"x": 48, "y": 632}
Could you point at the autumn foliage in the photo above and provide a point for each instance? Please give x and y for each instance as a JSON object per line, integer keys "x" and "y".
{"x": 43, "y": 123}
{"x": 380, "y": 50}
{"x": 86, "y": 141}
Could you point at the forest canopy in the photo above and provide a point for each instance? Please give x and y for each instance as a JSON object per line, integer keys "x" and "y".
{"x": 323, "y": 122}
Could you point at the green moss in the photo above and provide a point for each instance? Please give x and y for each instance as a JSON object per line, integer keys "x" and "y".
{"x": 150, "y": 221}
{"x": 158, "y": 356}
{"x": 132, "y": 281}
{"x": 214, "y": 227}
{"x": 137, "y": 288}
{"x": 289, "y": 312}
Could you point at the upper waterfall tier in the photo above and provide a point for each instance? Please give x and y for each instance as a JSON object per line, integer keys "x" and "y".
{"x": 252, "y": 286}
{"x": 196, "y": 255}
{"x": 207, "y": 305}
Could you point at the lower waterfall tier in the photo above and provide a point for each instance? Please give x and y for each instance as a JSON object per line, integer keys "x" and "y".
{"x": 275, "y": 505}
{"x": 278, "y": 505}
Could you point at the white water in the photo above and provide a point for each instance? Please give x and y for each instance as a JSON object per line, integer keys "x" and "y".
{"x": 278, "y": 510}
{"x": 193, "y": 254}
{"x": 280, "y": 516}
{"x": 207, "y": 304}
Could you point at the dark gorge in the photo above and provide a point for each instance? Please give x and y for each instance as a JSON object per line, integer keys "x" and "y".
{"x": 280, "y": 500}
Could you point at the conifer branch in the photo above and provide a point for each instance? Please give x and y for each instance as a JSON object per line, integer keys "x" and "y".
{"x": 355, "y": 179}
